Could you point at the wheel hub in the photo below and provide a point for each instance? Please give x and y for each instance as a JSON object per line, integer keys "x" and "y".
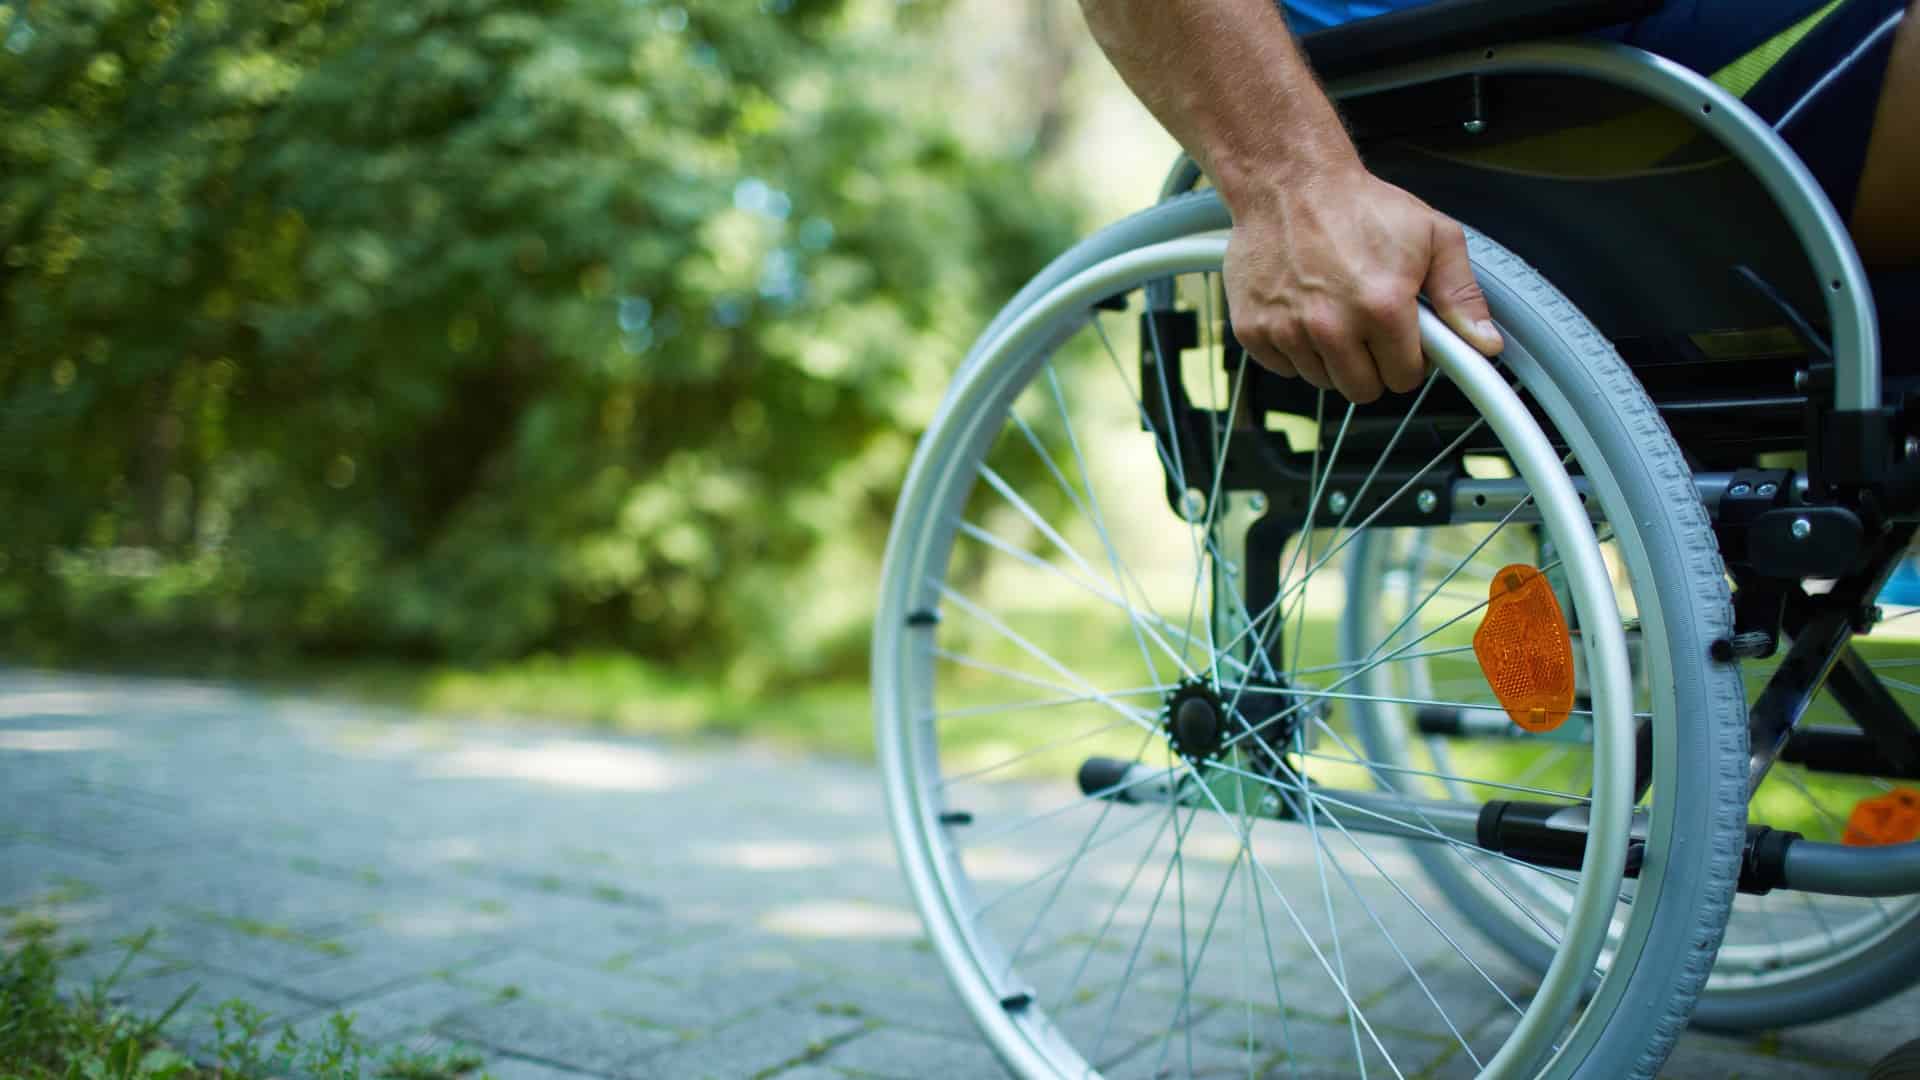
{"x": 1199, "y": 724}
{"x": 1195, "y": 721}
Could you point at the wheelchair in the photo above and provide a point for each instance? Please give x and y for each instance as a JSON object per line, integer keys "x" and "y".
{"x": 1197, "y": 721}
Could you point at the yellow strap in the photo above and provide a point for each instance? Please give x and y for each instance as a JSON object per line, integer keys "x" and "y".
{"x": 1740, "y": 76}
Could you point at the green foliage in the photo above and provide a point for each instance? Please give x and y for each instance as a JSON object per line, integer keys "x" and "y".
{"x": 468, "y": 328}
{"x": 44, "y": 1036}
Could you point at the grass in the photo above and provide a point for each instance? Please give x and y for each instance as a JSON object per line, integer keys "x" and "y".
{"x": 45, "y": 1035}
{"x": 266, "y": 931}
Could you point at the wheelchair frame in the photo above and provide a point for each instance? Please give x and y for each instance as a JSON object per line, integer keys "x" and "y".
{"x": 1850, "y": 516}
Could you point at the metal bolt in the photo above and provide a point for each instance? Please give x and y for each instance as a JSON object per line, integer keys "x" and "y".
{"x": 1474, "y": 127}
{"x": 1875, "y": 614}
{"x": 1767, "y": 491}
{"x": 1801, "y": 528}
{"x": 1800, "y": 380}
{"x": 1426, "y": 500}
{"x": 1911, "y": 448}
{"x": 1257, "y": 503}
{"x": 1740, "y": 489}
{"x": 1337, "y": 502}
{"x": 1193, "y": 505}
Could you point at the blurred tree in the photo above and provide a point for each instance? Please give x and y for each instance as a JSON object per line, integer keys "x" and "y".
{"x": 474, "y": 327}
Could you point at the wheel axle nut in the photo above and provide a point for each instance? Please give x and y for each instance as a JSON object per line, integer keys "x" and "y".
{"x": 1426, "y": 500}
{"x": 1801, "y": 528}
{"x": 1337, "y": 502}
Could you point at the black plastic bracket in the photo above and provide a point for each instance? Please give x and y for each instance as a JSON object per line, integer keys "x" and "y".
{"x": 1806, "y": 541}
{"x": 1854, "y": 450}
{"x": 1763, "y": 862}
{"x": 1752, "y": 492}
{"x": 1168, "y": 331}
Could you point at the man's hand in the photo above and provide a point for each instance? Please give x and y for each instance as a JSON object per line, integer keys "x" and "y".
{"x": 1322, "y": 281}
{"x": 1326, "y": 261}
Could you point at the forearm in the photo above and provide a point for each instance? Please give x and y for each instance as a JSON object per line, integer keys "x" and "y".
{"x": 1226, "y": 79}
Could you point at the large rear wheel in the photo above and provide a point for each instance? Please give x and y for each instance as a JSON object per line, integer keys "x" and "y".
{"x": 1127, "y": 783}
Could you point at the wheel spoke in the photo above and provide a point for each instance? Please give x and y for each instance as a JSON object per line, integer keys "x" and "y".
{"x": 975, "y": 532}
{"x": 973, "y": 774}
{"x": 1223, "y": 440}
{"x": 1335, "y": 549}
{"x": 1299, "y": 926}
{"x": 1113, "y": 912}
{"x": 1312, "y": 811}
{"x": 977, "y": 664}
{"x": 1408, "y": 770}
{"x": 989, "y": 620}
{"x": 1153, "y": 909}
{"x": 1123, "y": 574}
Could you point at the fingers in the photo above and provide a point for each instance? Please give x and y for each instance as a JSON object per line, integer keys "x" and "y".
{"x": 1454, "y": 291}
{"x": 1263, "y": 352}
{"x": 1298, "y": 361}
{"x": 1330, "y": 350}
{"x": 1349, "y": 366}
{"x": 1312, "y": 367}
{"x": 1393, "y": 338}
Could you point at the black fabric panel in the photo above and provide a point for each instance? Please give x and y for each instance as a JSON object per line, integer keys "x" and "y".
{"x": 1896, "y": 300}
{"x": 1451, "y": 25}
{"x": 1707, "y": 35}
{"x": 1831, "y": 132}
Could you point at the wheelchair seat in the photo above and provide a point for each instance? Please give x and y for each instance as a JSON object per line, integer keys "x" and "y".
{"x": 1445, "y": 26}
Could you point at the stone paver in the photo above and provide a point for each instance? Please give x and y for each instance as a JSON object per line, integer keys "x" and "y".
{"x": 572, "y": 906}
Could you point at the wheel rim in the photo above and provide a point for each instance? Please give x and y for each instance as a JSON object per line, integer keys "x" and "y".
{"x": 985, "y": 968}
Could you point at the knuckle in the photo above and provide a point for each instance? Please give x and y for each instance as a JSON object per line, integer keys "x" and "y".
{"x": 1386, "y": 301}
{"x": 1252, "y": 330}
{"x": 1288, "y": 336}
{"x": 1324, "y": 326}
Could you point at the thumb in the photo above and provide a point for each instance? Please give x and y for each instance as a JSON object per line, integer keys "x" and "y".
{"x": 1455, "y": 293}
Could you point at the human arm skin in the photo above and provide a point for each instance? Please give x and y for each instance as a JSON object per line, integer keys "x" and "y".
{"x": 1325, "y": 260}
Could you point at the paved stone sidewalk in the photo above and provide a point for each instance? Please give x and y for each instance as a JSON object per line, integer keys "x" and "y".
{"x": 566, "y": 905}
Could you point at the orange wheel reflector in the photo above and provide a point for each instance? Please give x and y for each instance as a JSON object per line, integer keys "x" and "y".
{"x": 1525, "y": 650}
{"x": 1893, "y": 818}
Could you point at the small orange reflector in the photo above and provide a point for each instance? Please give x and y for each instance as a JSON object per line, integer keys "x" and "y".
{"x": 1524, "y": 649}
{"x": 1893, "y": 818}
